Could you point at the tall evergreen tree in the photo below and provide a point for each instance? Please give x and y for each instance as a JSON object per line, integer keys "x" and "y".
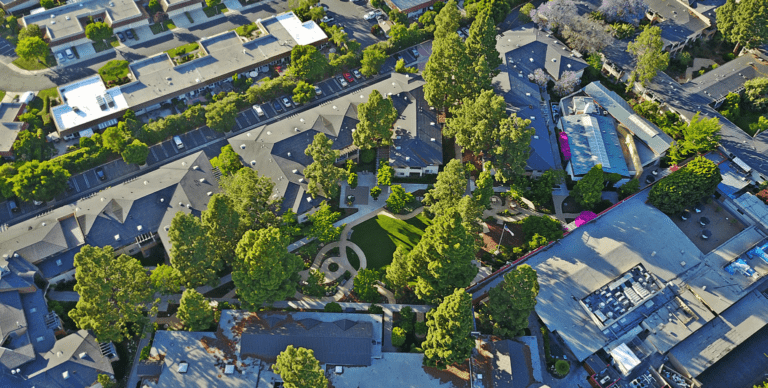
{"x": 475, "y": 123}
{"x": 265, "y": 271}
{"x": 511, "y": 302}
{"x": 375, "y": 120}
{"x": 397, "y": 272}
{"x": 648, "y": 50}
{"x": 114, "y": 291}
{"x": 253, "y": 198}
{"x": 743, "y": 23}
{"x": 322, "y": 175}
{"x": 442, "y": 260}
{"x": 221, "y": 222}
{"x": 450, "y": 187}
{"x": 481, "y": 42}
{"x": 484, "y": 190}
{"x": 701, "y": 135}
{"x": 449, "y": 326}
{"x": 447, "y": 20}
{"x": 513, "y": 149}
{"x": 299, "y": 368}
{"x": 195, "y": 311}
{"x": 190, "y": 252}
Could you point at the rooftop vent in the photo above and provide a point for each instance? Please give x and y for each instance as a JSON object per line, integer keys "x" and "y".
{"x": 289, "y": 154}
{"x": 139, "y": 228}
{"x": 183, "y": 367}
{"x": 407, "y": 158}
{"x": 210, "y": 193}
{"x": 117, "y": 237}
{"x": 58, "y": 262}
{"x": 167, "y": 228}
{"x": 146, "y": 183}
{"x": 65, "y": 375}
{"x": 295, "y": 171}
{"x": 229, "y": 369}
{"x": 554, "y": 59}
{"x": 253, "y": 162}
{"x": 432, "y": 139}
{"x": 202, "y": 180}
{"x": 531, "y": 59}
{"x": 242, "y": 146}
{"x": 83, "y": 355}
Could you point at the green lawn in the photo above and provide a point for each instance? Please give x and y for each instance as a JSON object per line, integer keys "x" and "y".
{"x": 160, "y": 27}
{"x": 114, "y": 70}
{"x": 2, "y": 94}
{"x": 100, "y": 46}
{"x": 352, "y": 258}
{"x": 33, "y": 64}
{"x": 211, "y": 11}
{"x": 181, "y": 50}
{"x": 246, "y": 30}
{"x": 114, "y": 42}
{"x": 380, "y": 236}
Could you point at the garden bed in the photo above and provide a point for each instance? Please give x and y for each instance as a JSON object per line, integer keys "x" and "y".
{"x": 181, "y": 50}
{"x": 213, "y": 11}
{"x": 165, "y": 25}
{"x": 34, "y": 64}
{"x": 353, "y": 259}
{"x": 114, "y": 70}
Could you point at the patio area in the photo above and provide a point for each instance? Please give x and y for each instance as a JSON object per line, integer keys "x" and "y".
{"x": 712, "y": 217}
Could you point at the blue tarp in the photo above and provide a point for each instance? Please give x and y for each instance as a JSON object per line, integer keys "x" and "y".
{"x": 759, "y": 251}
{"x": 740, "y": 266}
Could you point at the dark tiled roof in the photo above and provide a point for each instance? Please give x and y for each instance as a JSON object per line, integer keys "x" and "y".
{"x": 531, "y": 49}
{"x": 403, "y": 5}
{"x": 77, "y": 355}
{"x": 342, "y": 342}
{"x": 420, "y": 142}
{"x": 679, "y": 22}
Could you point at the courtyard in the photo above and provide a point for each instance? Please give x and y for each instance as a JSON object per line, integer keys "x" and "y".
{"x": 380, "y": 236}
{"x": 721, "y": 223}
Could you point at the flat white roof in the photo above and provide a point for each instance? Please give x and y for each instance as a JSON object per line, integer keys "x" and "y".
{"x": 85, "y": 101}
{"x": 303, "y": 33}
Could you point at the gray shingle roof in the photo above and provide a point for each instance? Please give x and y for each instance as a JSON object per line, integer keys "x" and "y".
{"x": 341, "y": 342}
{"x": 78, "y": 354}
{"x": 530, "y": 49}
{"x": 679, "y": 22}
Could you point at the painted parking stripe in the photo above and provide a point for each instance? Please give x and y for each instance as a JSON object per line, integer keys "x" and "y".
{"x": 87, "y": 184}
{"x": 74, "y": 182}
{"x": 245, "y": 116}
{"x": 154, "y": 153}
{"x": 202, "y": 136}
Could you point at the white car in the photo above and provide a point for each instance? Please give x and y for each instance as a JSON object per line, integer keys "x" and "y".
{"x": 258, "y": 110}
{"x": 318, "y": 91}
{"x": 327, "y": 19}
{"x": 356, "y": 73}
{"x": 370, "y": 15}
{"x": 342, "y": 82}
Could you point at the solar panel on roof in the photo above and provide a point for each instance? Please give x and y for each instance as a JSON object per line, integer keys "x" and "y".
{"x": 110, "y": 101}
{"x": 101, "y": 103}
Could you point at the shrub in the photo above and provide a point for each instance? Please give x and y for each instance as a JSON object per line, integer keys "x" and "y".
{"x": 629, "y": 188}
{"x": 375, "y": 309}
{"x": 332, "y": 307}
{"x": 398, "y": 336}
{"x": 367, "y": 156}
{"x": 562, "y": 367}
{"x": 145, "y": 352}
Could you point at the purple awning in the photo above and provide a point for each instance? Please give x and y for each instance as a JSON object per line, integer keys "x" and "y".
{"x": 565, "y": 148}
{"x": 584, "y": 217}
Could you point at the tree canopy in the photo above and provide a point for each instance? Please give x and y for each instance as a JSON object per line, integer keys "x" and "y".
{"x": 115, "y": 138}
{"x": 136, "y": 153}
{"x": 743, "y": 23}
{"x": 114, "y": 291}
{"x": 264, "y": 271}
{"x": 448, "y": 337}
{"x": 195, "y": 311}
{"x": 307, "y": 63}
{"x": 31, "y": 145}
{"x": 31, "y": 48}
{"x": 442, "y": 260}
{"x": 756, "y": 93}
{"x": 303, "y": 92}
{"x": 511, "y": 154}
{"x": 220, "y": 115}
{"x": 648, "y": 50}
{"x": 511, "y": 302}
{"x": 322, "y": 224}
{"x": 165, "y": 280}
{"x": 189, "y": 252}
{"x": 589, "y": 188}
{"x": 323, "y": 177}
{"x": 251, "y": 194}
{"x": 223, "y": 227}
{"x": 450, "y": 187}
{"x": 481, "y": 42}
{"x": 40, "y": 181}
{"x": 398, "y": 199}
{"x": 228, "y": 161}
{"x": 686, "y": 186}
{"x": 376, "y": 117}
{"x": 701, "y": 135}
{"x": 299, "y": 368}
{"x": 475, "y": 123}
{"x": 98, "y": 31}
{"x": 484, "y": 187}
{"x": 373, "y": 58}
{"x": 365, "y": 285}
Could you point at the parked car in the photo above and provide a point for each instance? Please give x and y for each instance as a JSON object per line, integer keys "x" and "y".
{"x": 60, "y": 57}
{"x": 277, "y": 106}
{"x": 415, "y": 52}
{"x": 357, "y": 73}
{"x": 178, "y": 142}
{"x": 13, "y": 205}
{"x": 342, "y": 82}
{"x": 121, "y": 36}
{"x": 461, "y": 34}
{"x": 100, "y": 174}
{"x": 348, "y": 77}
{"x": 370, "y": 15}
{"x": 286, "y": 102}
{"x": 69, "y": 53}
{"x": 69, "y": 137}
{"x": 327, "y": 19}
{"x": 129, "y": 34}
{"x": 318, "y": 91}
{"x": 258, "y": 110}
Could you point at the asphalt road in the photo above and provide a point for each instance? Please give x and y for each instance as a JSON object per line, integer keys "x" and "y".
{"x": 347, "y": 14}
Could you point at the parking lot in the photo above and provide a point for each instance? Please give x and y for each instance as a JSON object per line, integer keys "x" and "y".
{"x": 6, "y": 49}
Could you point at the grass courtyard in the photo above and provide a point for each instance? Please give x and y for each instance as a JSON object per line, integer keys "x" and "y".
{"x": 380, "y": 236}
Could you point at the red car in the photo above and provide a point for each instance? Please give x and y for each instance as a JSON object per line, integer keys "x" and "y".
{"x": 348, "y": 77}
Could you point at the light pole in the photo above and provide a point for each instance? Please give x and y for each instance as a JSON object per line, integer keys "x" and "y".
{"x": 505, "y": 229}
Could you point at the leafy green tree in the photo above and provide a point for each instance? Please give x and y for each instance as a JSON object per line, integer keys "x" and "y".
{"x": 322, "y": 224}
{"x": 511, "y": 302}
{"x": 352, "y": 179}
{"x": 32, "y": 119}
{"x": 450, "y": 187}
{"x": 105, "y": 380}
{"x": 481, "y": 42}
{"x": 307, "y": 64}
{"x": 40, "y": 181}
{"x": 154, "y": 7}
{"x": 114, "y": 291}
{"x": 228, "y": 161}
{"x": 731, "y": 108}
{"x": 7, "y": 172}
{"x": 446, "y": 80}
{"x": 373, "y": 58}
{"x": 384, "y": 174}
{"x": 397, "y": 272}
{"x": 484, "y": 190}
{"x": 447, "y": 20}
{"x": 701, "y": 135}
{"x": 544, "y": 226}
{"x": 189, "y": 252}
{"x": 30, "y": 31}
{"x": 47, "y": 4}
{"x": 427, "y": 19}
{"x": 251, "y": 195}
{"x": 31, "y": 145}
{"x": 743, "y": 23}
{"x": 32, "y": 48}
{"x": 332, "y": 307}
{"x": 398, "y": 336}
{"x": 756, "y": 93}
{"x": 442, "y": 260}
{"x": 589, "y": 188}
{"x": 648, "y": 50}
{"x": 760, "y": 126}
{"x": 303, "y": 92}
{"x": 397, "y": 17}
{"x": 136, "y": 153}
{"x": 195, "y": 311}
{"x": 376, "y": 117}
{"x": 365, "y": 285}
{"x": 525, "y": 12}
{"x": 220, "y": 116}
{"x": 400, "y": 67}
{"x": 165, "y": 280}
{"x": 450, "y": 324}
{"x": 629, "y": 188}
{"x": 323, "y": 177}
{"x": 212, "y": 3}
{"x": 475, "y": 123}
{"x": 398, "y": 199}
{"x": 375, "y": 192}
{"x": 686, "y": 186}
{"x": 98, "y": 31}
{"x": 513, "y": 149}
{"x": 222, "y": 226}
{"x": 299, "y": 368}
{"x": 265, "y": 271}
{"x": 115, "y": 138}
